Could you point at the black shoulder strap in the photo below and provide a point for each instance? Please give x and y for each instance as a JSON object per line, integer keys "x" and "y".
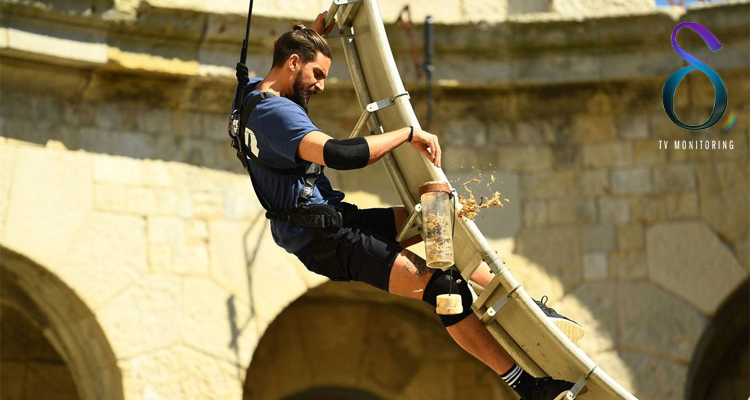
{"x": 311, "y": 172}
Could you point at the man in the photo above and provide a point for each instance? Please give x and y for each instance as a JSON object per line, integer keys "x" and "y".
{"x": 331, "y": 237}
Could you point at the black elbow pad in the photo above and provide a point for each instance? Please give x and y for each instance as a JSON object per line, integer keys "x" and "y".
{"x": 346, "y": 154}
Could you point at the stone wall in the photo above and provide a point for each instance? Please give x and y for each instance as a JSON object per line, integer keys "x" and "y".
{"x": 116, "y": 178}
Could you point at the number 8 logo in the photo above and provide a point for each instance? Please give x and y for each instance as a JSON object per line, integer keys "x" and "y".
{"x": 670, "y": 86}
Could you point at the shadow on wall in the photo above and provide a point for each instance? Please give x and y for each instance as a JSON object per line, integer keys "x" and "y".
{"x": 721, "y": 362}
{"x": 66, "y": 322}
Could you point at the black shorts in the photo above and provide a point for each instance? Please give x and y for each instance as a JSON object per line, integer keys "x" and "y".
{"x": 365, "y": 246}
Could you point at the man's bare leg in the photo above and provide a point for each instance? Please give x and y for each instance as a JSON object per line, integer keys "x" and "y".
{"x": 409, "y": 277}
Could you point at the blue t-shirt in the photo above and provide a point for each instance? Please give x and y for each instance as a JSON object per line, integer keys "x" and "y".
{"x": 278, "y": 125}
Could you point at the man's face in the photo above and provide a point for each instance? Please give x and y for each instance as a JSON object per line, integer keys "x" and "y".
{"x": 310, "y": 79}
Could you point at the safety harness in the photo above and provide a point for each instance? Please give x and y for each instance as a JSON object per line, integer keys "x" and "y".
{"x": 321, "y": 220}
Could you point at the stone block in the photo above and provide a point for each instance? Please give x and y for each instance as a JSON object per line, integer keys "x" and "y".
{"x": 614, "y": 210}
{"x": 173, "y": 202}
{"x": 648, "y": 209}
{"x": 109, "y": 197}
{"x": 141, "y": 201}
{"x": 189, "y": 123}
{"x": 595, "y": 266}
{"x": 133, "y": 144}
{"x": 525, "y": 158}
{"x": 214, "y": 126}
{"x": 627, "y": 265}
{"x": 170, "y": 373}
{"x": 630, "y": 237}
{"x": 724, "y": 190}
{"x": 198, "y": 152}
{"x": 671, "y": 327}
{"x": 647, "y": 152}
{"x": 117, "y": 170}
{"x": 196, "y": 232}
{"x": 556, "y": 250}
{"x": 599, "y": 238}
{"x": 165, "y": 230}
{"x": 229, "y": 255}
{"x": 535, "y": 213}
{"x": 144, "y": 317}
{"x": 155, "y": 120}
{"x": 633, "y": 127}
{"x": 674, "y": 177}
{"x": 107, "y": 254}
{"x": 160, "y": 258}
{"x": 208, "y": 205}
{"x": 592, "y": 183}
{"x": 155, "y": 173}
{"x": 683, "y": 205}
{"x": 547, "y": 184}
{"x": 208, "y": 306}
{"x": 465, "y": 132}
{"x": 500, "y": 133}
{"x": 52, "y": 209}
{"x": 108, "y": 117}
{"x": 656, "y": 377}
{"x": 167, "y": 147}
{"x": 593, "y": 128}
{"x": 593, "y": 306}
{"x": 632, "y": 180}
{"x": 572, "y": 211}
{"x": 690, "y": 260}
{"x": 191, "y": 259}
{"x": 454, "y": 159}
{"x": 612, "y": 154}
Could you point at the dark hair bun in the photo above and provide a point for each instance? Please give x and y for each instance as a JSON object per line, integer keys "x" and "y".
{"x": 298, "y": 26}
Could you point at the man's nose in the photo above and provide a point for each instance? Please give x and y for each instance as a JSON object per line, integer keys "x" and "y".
{"x": 320, "y": 85}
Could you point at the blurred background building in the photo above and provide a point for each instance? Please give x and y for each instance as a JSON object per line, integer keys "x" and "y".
{"x": 137, "y": 263}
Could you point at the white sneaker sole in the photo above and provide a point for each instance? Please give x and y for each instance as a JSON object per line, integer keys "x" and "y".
{"x": 573, "y": 331}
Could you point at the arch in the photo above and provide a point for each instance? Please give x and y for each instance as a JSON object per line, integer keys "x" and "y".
{"x": 65, "y": 321}
{"x": 724, "y": 343}
{"x": 343, "y": 341}
{"x": 333, "y": 393}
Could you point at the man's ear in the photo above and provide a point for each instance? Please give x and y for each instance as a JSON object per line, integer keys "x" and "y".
{"x": 294, "y": 62}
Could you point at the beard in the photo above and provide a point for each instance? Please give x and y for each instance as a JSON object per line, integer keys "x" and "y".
{"x": 301, "y": 94}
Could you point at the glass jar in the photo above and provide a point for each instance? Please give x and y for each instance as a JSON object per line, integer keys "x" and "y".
{"x": 438, "y": 213}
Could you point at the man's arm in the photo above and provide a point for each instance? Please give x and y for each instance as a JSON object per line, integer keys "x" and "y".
{"x": 312, "y": 147}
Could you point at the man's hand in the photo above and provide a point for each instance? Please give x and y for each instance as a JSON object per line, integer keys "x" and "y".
{"x": 317, "y": 26}
{"x": 427, "y": 144}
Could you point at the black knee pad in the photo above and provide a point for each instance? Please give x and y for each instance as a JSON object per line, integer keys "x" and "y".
{"x": 442, "y": 283}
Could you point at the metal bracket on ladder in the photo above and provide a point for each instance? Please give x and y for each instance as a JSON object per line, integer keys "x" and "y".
{"x": 334, "y": 8}
{"x": 579, "y": 385}
{"x": 409, "y": 222}
{"x": 491, "y": 313}
{"x": 371, "y": 108}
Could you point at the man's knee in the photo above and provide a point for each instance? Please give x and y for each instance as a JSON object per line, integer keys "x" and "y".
{"x": 443, "y": 282}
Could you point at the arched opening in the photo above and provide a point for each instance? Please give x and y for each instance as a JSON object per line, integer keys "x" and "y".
{"x": 32, "y": 368}
{"x": 333, "y": 393}
{"x": 55, "y": 328}
{"x": 721, "y": 363}
{"x": 347, "y": 341}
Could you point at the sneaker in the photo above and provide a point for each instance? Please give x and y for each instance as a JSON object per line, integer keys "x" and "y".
{"x": 548, "y": 389}
{"x": 573, "y": 330}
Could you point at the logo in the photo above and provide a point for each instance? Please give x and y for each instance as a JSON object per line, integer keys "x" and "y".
{"x": 670, "y": 86}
